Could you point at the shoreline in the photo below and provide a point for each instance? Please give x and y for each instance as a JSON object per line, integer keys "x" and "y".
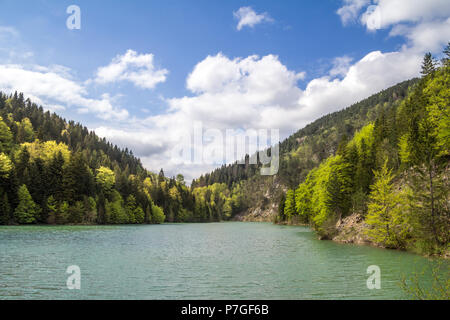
{"x": 341, "y": 237}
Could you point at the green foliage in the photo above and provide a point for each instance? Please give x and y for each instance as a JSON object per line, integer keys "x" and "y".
{"x": 387, "y": 216}
{"x": 405, "y": 203}
{"x": 5, "y": 166}
{"x": 6, "y": 137}
{"x": 289, "y": 205}
{"x": 45, "y": 150}
{"x": 425, "y": 149}
{"x": 428, "y": 65}
{"x": 90, "y": 210}
{"x": 105, "y": 179}
{"x": 76, "y": 212}
{"x": 135, "y": 214}
{"x": 27, "y": 211}
{"x": 63, "y": 214}
{"x": 158, "y": 216}
{"x": 52, "y": 210}
{"x": 77, "y": 177}
{"x": 5, "y": 209}
{"x": 25, "y": 131}
{"x": 416, "y": 288}
{"x": 115, "y": 211}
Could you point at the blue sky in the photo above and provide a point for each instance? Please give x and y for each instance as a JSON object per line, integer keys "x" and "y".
{"x": 310, "y": 46}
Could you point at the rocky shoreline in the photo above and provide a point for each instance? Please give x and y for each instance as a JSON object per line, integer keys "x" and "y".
{"x": 349, "y": 230}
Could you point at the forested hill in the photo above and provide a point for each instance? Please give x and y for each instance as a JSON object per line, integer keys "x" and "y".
{"x": 389, "y": 184}
{"x": 381, "y": 165}
{"x": 260, "y": 196}
{"x": 58, "y": 172}
{"x": 319, "y": 139}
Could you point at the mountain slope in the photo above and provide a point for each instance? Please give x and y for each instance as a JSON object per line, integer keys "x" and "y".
{"x": 301, "y": 152}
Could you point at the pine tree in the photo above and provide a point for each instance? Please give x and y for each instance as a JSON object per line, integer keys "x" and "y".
{"x": 52, "y": 210}
{"x": 6, "y": 137}
{"x": 27, "y": 211}
{"x": 446, "y": 59}
{"x": 338, "y": 189}
{"x": 422, "y": 148}
{"x": 148, "y": 215}
{"x": 289, "y": 206}
{"x": 131, "y": 208}
{"x": 5, "y": 209}
{"x": 428, "y": 65}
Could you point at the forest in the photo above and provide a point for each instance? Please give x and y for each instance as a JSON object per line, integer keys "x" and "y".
{"x": 385, "y": 158}
{"x": 394, "y": 172}
{"x": 58, "y": 172}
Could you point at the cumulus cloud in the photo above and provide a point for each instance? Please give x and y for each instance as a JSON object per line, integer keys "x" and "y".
{"x": 138, "y": 69}
{"x": 255, "y": 93}
{"x": 341, "y": 66}
{"x": 391, "y": 12}
{"x": 53, "y": 86}
{"x": 351, "y": 9}
{"x": 426, "y": 36}
{"x": 246, "y": 16}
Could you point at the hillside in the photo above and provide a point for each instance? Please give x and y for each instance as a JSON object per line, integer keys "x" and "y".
{"x": 58, "y": 172}
{"x": 380, "y": 167}
{"x": 301, "y": 152}
{"x": 392, "y": 176}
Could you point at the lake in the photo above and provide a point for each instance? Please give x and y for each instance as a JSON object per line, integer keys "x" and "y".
{"x": 232, "y": 260}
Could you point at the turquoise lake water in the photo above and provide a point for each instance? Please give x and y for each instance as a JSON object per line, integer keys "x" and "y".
{"x": 194, "y": 261}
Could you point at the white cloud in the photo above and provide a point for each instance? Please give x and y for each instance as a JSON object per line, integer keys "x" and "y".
{"x": 52, "y": 86}
{"x": 248, "y": 17}
{"x": 426, "y": 36}
{"x": 340, "y": 66}
{"x": 256, "y": 93}
{"x": 390, "y": 12}
{"x": 261, "y": 92}
{"x": 7, "y": 31}
{"x": 351, "y": 9}
{"x": 136, "y": 68}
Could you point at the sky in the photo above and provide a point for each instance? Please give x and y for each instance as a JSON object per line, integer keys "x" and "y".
{"x": 144, "y": 74}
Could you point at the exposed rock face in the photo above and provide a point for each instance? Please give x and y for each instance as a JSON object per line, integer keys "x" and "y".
{"x": 258, "y": 214}
{"x": 351, "y": 230}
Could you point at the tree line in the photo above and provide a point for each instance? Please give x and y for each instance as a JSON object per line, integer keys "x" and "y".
{"x": 58, "y": 172}
{"x": 393, "y": 172}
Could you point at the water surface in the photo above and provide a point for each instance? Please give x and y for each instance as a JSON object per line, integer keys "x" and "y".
{"x": 193, "y": 261}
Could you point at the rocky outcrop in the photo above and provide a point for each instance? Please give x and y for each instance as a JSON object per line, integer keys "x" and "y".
{"x": 351, "y": 230}
{"x": 258, "y": 214}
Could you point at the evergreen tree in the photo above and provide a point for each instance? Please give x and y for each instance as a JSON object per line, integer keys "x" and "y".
{"x": 446, "y": 59}
{"x": 27, "y": 211}
{"x": 5, "y": 209}
{"x": 339, "y": 188}
{"x": 428, "y": 65}
{"x": 131, "y": 208}
{"x": 289, "y": 206}
{"x": 6, "y": 137}
{"x": 52, "y": 210}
